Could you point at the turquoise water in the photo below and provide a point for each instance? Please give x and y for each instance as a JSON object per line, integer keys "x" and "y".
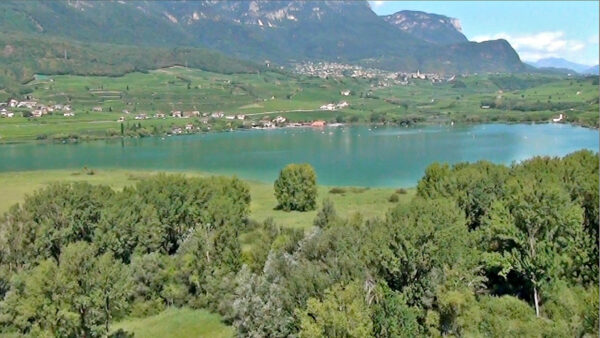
{"x": 357, "y": 156}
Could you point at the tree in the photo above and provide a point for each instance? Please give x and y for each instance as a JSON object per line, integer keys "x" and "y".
{"x": 296, "y": 188}
{"x": 532, "y": 230}
{"x": 326, "y": 215}
{"x": 392, "y": 317}
{"x": 343, "y": 312}
{"x": 76, "y": 297}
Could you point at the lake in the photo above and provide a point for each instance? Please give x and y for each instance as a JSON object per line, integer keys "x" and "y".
{"x": 348, "y": 156}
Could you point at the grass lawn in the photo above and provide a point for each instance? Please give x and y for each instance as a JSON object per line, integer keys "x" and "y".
{"x": 372, "y": 202}
{"x": 179, "y": 323}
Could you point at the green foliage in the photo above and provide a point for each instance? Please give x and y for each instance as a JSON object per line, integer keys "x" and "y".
{"x": 343, "y": 312}
{"x": 79, "y": 296}
{"x": 482, "y": 250}
{"x": 296, "y": 188}
{"x": 327, "y": 215}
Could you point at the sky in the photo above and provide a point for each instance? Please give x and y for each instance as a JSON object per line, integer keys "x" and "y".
{"x": 536, "y": 29}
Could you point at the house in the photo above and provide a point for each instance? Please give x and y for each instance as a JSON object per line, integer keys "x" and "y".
{"x": 189, "y": 126}
{"x": 279, "y": 120}
{"x": 159, "y": 116}
{"x": 485, "y": 107}
{"x": 5, "y": 113}
{"x": 240, "y": 117}
{"x": 97, "y": 109}
{"x": 121, "y": 119}
{"x": 176, "y": 113}
{"x": 13, "y": 103}
{"x": 267, "y": 124}
{"x": 125, "y": 111}
{"x": 230, "y": 117}
{"x": 176, "y": 131}
{"x": 141, "y": 116}
{"x": 58, "y": 107}
{"x": 67, "y": 108}
{"x": 37, "y": 113}
{"x": 68, "y": 114}
{"x": 217, "y": 115}
{"x": 329, "y": 106}
{"x": 345, "y": 92}
{"x": 26, "y": 104}
{"x": 318, "y": 124}
{"x": 559, "y": 118}
{"x": 342, "y": 104}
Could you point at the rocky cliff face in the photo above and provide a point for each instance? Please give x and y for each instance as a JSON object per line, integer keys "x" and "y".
{"x": 432, "y": 28}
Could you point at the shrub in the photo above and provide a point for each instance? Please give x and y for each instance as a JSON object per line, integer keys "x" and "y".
{"x": 401, "y": 191}
{"x": 296, "y": 188}
{"x": 337, "y": 190}
{"x": 394, "y": 198}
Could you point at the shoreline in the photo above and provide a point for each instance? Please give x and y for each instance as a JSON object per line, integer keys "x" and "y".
{"x": 92, "y": 137}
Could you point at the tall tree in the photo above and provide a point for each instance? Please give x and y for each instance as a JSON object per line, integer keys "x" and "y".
{"x": 532, "y": 231}
{"x": 296, "y": 188}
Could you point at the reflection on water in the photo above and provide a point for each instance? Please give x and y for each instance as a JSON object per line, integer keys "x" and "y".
{"x": 341, "y": 156}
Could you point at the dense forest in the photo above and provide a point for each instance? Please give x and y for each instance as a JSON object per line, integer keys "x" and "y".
{"x": 482, "y": 250}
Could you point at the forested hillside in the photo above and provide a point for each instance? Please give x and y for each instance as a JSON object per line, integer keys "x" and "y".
{"x": 482, "y": 250}
{"x": 25, "y": 55}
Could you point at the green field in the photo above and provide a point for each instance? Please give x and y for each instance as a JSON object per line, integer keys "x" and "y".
{"x": 178, "y": 323}
{"x": 368, "y": 202}
{"x": 512, "y": 98}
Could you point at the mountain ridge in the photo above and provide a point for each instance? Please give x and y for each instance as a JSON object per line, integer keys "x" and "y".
{"x": 282, "y": 32}
{"x": 433, "y": 28}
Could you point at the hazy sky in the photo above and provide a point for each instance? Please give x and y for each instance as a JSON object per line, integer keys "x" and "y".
{"x": 536, "y": 29}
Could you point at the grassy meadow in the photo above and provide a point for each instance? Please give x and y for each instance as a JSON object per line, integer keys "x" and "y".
{"x": 174, "y": 322}
{"x": 369, "y": 202}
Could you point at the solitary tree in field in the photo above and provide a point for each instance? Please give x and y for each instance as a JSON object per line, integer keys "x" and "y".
{"x": 296, "y": 188}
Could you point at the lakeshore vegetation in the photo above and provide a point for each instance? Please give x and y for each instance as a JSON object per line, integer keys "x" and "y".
{"x": 266, "y": 94}
{"x": 475, "y": 250}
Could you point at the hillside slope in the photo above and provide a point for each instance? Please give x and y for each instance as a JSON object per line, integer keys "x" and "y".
{"x": 279, "y": 31}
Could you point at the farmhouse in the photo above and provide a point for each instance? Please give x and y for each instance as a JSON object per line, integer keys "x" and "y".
{"x": 176, "y": 113}
{"x": 279, "y": 120}
{"x": 318, "y": 123}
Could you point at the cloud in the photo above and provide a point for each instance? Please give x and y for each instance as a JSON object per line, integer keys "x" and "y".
{"x": 532, "y": 47}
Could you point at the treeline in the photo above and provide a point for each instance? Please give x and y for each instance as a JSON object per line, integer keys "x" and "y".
{"x": 482, "y": 250}
{"x": 526, "y": 106}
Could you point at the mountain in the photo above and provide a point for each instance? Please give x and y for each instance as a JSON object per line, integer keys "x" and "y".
{"x": 432, "y": 28}
{"x": 561, "y": 64}
{"x": 595, "y": 70}
{"x": 279, "y": 31}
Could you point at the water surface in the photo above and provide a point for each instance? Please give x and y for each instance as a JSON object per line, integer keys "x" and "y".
{"x": 360, "y": 156}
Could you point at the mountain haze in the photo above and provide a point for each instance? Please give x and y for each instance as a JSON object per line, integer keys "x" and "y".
{"x": 561, "y": 63}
